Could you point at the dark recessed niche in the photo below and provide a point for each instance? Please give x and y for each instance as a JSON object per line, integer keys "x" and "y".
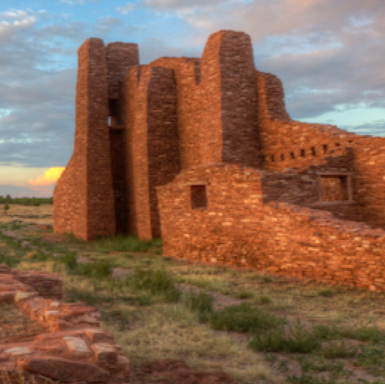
{"x": 198, "y": 197}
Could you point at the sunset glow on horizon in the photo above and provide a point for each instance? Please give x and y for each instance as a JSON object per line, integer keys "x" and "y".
{"x": 50, "y": 176}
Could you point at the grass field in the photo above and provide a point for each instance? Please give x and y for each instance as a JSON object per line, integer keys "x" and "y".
{"x": 256, "y": 327}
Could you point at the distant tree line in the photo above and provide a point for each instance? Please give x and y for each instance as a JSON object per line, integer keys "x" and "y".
{"x": 33, "y": 201}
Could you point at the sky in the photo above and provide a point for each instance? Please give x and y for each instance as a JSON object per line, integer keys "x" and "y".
{"x": 329, "y": 55}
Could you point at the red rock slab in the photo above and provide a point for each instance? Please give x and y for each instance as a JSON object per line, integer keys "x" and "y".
{"x": 66, "y": 371}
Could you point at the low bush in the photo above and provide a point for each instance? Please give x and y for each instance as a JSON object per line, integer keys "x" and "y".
{"x": 120, "y": 243}
{"x": 69, "y": 260}
{"x": 10, "y": 261}
{"x": 296, "y": 340}
{"x": 243, "y": 318}
{"x": 320, "y": 364}
{"x": 156, "y": 281}
{"x": 326, "y": 292}
{"x": 372, "y": 358}
{"x": 364, "y": 333}
{"x": 201, "y": 303}
{"x": 99, "y": 270}
{"x": 339, "y": 349}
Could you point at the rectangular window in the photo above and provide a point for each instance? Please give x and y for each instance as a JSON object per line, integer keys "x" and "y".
{"x": 198, "y": 197}
{"x": 334, "y": 188}
{"x": 292, "y": 155}
{"x": 302, "y": 153}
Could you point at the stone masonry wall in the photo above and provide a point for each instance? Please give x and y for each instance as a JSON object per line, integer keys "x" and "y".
{"x": 229, "y": 118}
{"x": 179, "y": 113}
{"x": 73, "y": 350}
{"x": 237, "y": 228}
{"x": 189, "y": 106}
{"x": 84, "y": 201}
{"x": 152, "y": 136}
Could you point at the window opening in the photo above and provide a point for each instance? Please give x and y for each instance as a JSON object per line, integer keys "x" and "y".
{"x": 335, "y": 188}
{"x": 198, "y": 197}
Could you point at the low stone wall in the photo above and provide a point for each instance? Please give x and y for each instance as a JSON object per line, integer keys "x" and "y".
{"x": 75, "y": 349}
{"x": 235, "y": 226}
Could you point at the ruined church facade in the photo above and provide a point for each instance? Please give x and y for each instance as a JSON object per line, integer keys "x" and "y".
{"x": 202, "y": 152}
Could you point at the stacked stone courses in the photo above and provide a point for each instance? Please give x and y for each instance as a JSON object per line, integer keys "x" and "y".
{"x": 74, "y": 348}
{"x": 140, "y": 128}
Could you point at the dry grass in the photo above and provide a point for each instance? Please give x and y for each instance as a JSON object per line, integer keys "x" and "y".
{"x": 42, "y": 214}
{"x": 150, "y": 328}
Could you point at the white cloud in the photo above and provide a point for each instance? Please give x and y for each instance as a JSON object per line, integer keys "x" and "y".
{"x": 129, "y": 7}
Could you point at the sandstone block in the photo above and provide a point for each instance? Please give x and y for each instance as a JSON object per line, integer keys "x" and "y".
{"x": 77, "y": 346}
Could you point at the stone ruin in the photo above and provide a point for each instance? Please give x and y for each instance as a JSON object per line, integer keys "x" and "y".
{"x": 202, "y": 153}
{"x": 74, "y": 349}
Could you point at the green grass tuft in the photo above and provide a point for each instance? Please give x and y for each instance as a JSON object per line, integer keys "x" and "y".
{"x": 201, "y": 303}
{"x": 296, "y": 340}
{"x": 242, "y": 318}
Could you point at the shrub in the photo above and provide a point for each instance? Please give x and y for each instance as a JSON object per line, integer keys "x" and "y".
{"x": 120, "y": 243}
{"x": 99, "y": 270}
{"x": 296, "y": 340}
{"x": 320, "y": 364}
{"x": 326, "y": 292}
{"x": 157, "y": 281}
{"x": 244, "y": 294}
{"x": 372, "y": 358}
{"x": 10, "y": 261}
{"x": 307, "y": 379}
{"x": 201, "y": 303}
{"x": 324, "y": 332}
{"x": 339, "y": 350}
{"x": 364, "y": 333}
{"x": 69, "y": 260}
{"x": 264, "y": 299}
{"x": 242, "y": 318}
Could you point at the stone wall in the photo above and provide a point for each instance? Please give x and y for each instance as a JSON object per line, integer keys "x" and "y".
{"x": 74, "y": 349}
{"x": 236, "y": 227}
{"x": 179, "y": 113}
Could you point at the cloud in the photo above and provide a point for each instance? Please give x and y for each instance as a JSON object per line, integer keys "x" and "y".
{"x": 105, "y": 25}
{"x": 327, "y": 53}
{"x": 183, "y": 4}
{"x": 51, "y": 176}
{"x": 128, "y": 8}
